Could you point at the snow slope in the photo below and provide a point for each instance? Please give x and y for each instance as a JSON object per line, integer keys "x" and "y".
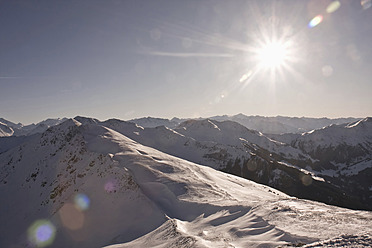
{"x": 5, "y": 130}
{"x": 206, "y": 152}
{"x": 54, "y": 177}
{"x": 233, "y": 148}
{"x": 355, "y": 241}
{"x": 233, "y": 133}
{"x": 207, "y": 208}
{"x": 97, "y": 187}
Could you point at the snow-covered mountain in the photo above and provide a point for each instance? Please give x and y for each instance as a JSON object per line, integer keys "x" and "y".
{"x": 290, "y": 168}
{"x": 10, "y": 124}
{"x": 342, "y": 155}
{"x": 5, "y": 130}
{"x": 337, "y": 149}
{"x": 156, "y": 122}
{"x": 8, "y": 128}
{"x": 231, "y": 147}
{"x": 282, "y": 124}
{"x": 267, "y": 125}
{"x": 279, "y": 161}
{"x": 83, "y": 184}
{"x": 357, "y": 133}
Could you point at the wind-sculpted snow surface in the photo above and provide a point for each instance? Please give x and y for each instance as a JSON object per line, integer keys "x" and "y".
{"x": 355, "y": 241}
{"x": 86, "y": 185}
{"x": 207, "y": 208}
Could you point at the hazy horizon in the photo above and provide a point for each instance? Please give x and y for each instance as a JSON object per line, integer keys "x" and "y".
{"x": 183, "y": 117}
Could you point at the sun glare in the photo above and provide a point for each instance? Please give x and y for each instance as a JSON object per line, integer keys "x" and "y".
{"x": 272, "y": 55}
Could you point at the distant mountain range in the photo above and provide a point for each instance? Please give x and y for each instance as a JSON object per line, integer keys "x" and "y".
{"x": 269, "y": 125}
{"x": 8, "y": 128}
{"x": 332, "y": 164}
{"x": 266, "y": 125}
{"x": 82, "y": 182}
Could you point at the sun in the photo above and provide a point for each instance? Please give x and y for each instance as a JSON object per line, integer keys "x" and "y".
{"x": 272, "y": 55}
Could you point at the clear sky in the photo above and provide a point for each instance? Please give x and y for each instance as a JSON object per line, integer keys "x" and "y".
{"x": 165, "y": 58}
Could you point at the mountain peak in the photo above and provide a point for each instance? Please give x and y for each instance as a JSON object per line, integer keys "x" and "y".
{"x": 10, "y": 124}
{"x": 240, "y": 115}
{"x": 198, "y": 124}
{"x": 155, "y": 122}
{"x": 86, "y": 120}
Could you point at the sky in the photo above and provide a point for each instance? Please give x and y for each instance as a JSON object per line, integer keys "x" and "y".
{"x": 197, "y": 58}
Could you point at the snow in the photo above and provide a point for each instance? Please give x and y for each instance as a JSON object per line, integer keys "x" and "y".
{"x": 5, "y": 130}
{"x": 351, "y": 125}
{"x": 42, "y": 181}
{"x": 211, "y": 209}
{"x": 234, "y": 134}
{"x": 356, "y": 168}
{"x": 322, "y": 221}
{"x": 306, "y": 171}
{"x": 355, "y": 241}
{"x": 282, "y": 124}
{"x": 214, "y": 125}
{"x": 151, "y": 122}
{"x": 142, "y": 197}
{"x": 334, "y": 135}
{"x": 8, "y": 128}
{"x": 175, "y": 143}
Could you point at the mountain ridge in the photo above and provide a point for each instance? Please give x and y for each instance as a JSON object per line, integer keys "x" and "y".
{"x": 280, "y": 161}
{"x": 97, "y": 187}
{"x": 274, "y": 125}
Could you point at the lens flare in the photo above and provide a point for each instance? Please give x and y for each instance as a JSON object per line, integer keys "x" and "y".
{"x": 252, "y": 166}
{"x": 366, "y": 4}
{"x": 332, "y": 7}
{"x": 245, "y": 76}
{"x": 110, "y": 186}
{"x": 306, "y": 180}
{"x": 82, "y": 202}
{"x": 315, "y": 21}
{"x": 41, "y": 233}
{"x": 71, "y": 217}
